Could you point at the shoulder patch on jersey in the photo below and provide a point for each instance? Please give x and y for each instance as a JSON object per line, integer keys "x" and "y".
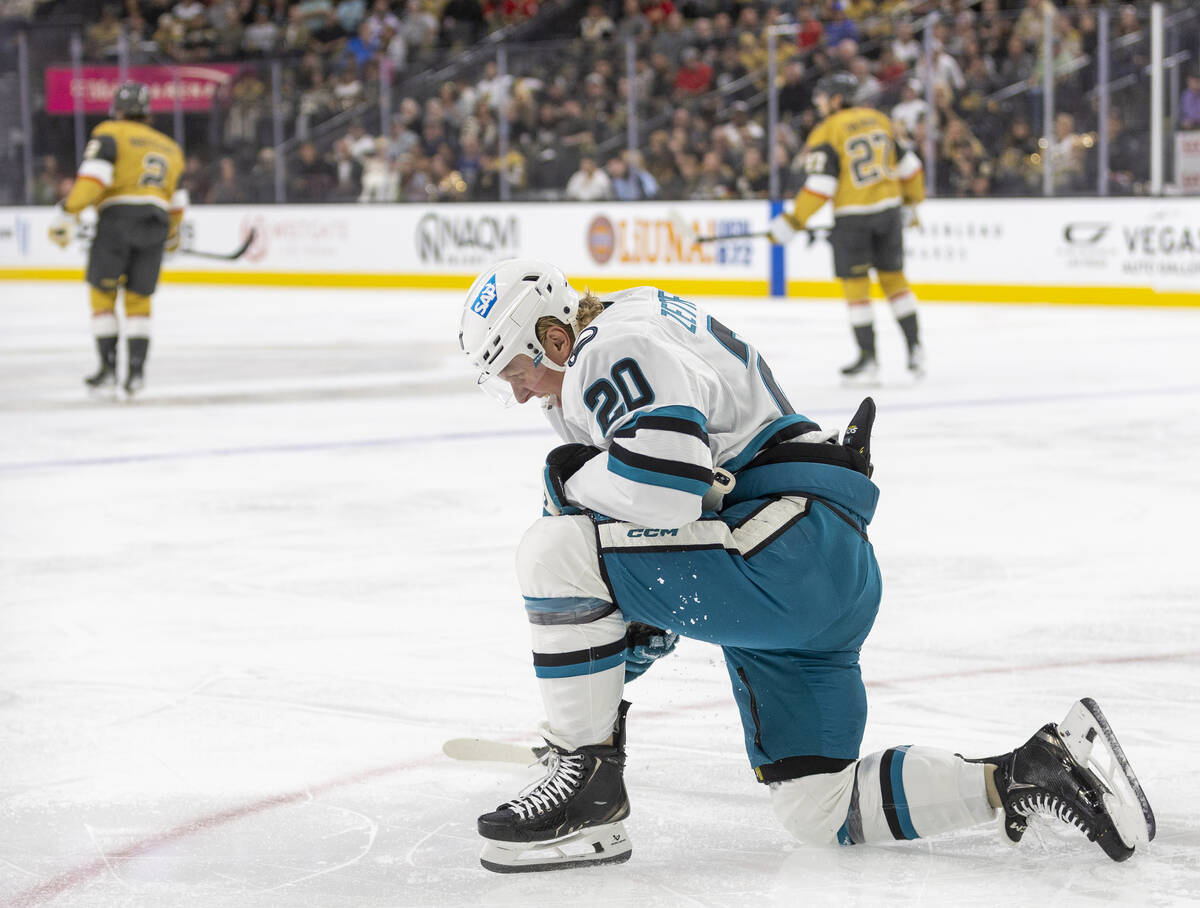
{"x": 485, "y": 299}
{"x": 586, "y": 336}
{"x": 101, "y": 146}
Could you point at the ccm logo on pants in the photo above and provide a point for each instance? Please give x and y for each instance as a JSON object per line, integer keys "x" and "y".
{"x": 649, "y": 532}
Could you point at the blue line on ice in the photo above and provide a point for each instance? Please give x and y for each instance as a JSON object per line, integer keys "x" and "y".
{"x": 443, "y": 437}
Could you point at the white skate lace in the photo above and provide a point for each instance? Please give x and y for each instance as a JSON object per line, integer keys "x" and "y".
{"x": 564, "y": 777}
{"x": 1047, "y": 805}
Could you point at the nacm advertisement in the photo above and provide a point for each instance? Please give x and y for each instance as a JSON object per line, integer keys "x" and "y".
{"x": 1081, "y": 243}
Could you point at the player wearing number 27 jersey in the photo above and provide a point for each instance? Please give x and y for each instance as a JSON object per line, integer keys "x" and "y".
{"x": 130, "y": 172}
{"x": 853, "y": 161}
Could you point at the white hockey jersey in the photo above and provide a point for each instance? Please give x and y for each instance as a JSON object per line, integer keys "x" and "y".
{"x": 669, "y": 392}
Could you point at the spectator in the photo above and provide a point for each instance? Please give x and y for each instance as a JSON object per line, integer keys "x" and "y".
{"x": 45, "y": 186}
{"x": 227, "y": 188}
{"x": 363, "y": 47}
{"x": 1189, "y": 103}
{"x": 906, "y": 47}
{"x": 715, "y": 179}
{"x": 462, "y": 23}
{"x": 630, "y": 183}
{"x": 911, "y": 109}
{"x": 347, "y": 89}
{"x": 195, "y": 177}
{"x": 380, "y": 181}
{"x": 350, "y": 15}
{"x": 694, "y": 76}
{"x": 634, "y": 23}
{"x": 596, "y": 24}
{"x": 841, "y": 27}
{"x": 262, "y": 177}
{"x": 754, "y": 179}
{"x": 1128, "y": 157}
{"x": 795, "y": 95}
{"x": 381, "y": 19}
{"x": 870, "y": 89}
{"x": 1018, "y": 63}
{"x": 348, "y": 172}
{"x": 811, "y": 31}
{"x": 312, "y": 177}
{"x": 262, "y": 35}
{"x": 103, "y": 35}
{"x": 672, "y": 37}
{"x": 589, "y": 183}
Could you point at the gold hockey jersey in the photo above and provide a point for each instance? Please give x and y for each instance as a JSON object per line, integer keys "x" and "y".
{"x": 852, "y": 158}
{"x": 134, "y": 163}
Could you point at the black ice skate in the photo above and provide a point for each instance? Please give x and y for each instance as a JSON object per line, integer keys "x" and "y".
{"x": 571, "y": 818}
{"x": 863, "y": 371}
{"x": 1076, "y": 772}
{"x": 916, "y": 361}
{"x": 134, "y": 382}
{"x": 103, "y": 383}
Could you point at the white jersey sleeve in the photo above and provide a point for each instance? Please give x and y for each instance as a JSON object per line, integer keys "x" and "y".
{"x": 649, "y": 413}
{"x": 654, "y": 382}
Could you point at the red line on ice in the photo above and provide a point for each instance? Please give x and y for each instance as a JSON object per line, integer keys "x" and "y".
{"x": 72, "y": 878}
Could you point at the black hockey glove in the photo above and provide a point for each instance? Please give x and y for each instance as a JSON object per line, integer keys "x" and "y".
{"x": 561, "y": 464}
{"x": 858, "y": 436}
{"x": 645, "y": 645}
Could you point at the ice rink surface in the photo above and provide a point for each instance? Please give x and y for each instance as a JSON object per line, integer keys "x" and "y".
{"x": 239, "y": 616}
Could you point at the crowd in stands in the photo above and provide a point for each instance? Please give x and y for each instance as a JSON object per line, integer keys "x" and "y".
{"x": 699, "y": 87}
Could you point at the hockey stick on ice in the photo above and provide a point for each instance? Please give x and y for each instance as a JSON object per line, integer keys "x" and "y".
{"x": 483, "y": 750}
{"x": 228, "y": 257}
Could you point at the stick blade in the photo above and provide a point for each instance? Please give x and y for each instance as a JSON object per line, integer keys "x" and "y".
{"x": 483, "y": 750}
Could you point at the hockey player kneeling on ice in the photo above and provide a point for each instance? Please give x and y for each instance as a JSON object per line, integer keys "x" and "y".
{"x": 690, "y": 499}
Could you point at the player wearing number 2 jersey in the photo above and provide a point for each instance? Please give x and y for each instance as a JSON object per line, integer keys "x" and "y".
{"x": 852, "y": 159}
{"x": 130, "y": 172}
{"x": 690, "y": 499}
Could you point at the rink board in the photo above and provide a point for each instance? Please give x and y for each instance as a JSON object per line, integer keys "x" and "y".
{"x": 1085, "y": 251}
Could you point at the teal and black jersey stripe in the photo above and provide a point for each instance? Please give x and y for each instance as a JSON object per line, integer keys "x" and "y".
{"x": 662, "y": 421}
{"x": 657, "y": 471}
{"x": 675, "y": 430}
{"x": 579, "y": 662}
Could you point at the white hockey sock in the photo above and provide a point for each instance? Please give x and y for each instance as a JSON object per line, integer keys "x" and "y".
{"x": 578, "y": 633}
{"x": 900, "y": 793}
{"x": 581, "y": 671}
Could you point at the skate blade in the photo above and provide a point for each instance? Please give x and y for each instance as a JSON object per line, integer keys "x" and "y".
{"x": 105, "y": 393}
{"x": 861, "y": 381}
{"x": 606, "y": 844}
{"x": 1125, "y": 802}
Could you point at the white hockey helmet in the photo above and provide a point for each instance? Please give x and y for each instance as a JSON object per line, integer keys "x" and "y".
{"x": 501, "y": 313}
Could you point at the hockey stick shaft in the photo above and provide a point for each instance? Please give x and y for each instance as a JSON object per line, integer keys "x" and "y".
{"x": 813, "y": 235}
{"x": 731, "y": 236}
{"x": 223, "y": 256}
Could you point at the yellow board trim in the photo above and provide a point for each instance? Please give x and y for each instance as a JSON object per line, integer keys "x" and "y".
{"x": 828, "y": 289}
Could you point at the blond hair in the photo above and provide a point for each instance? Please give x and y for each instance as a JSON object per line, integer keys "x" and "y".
{"x": 589, "y": 307}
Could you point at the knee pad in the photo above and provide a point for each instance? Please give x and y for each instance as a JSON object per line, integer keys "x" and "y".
{"x": 137, "y": 305}
{"x": 557, "y": 558}
{"x": 814, "y": 808}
